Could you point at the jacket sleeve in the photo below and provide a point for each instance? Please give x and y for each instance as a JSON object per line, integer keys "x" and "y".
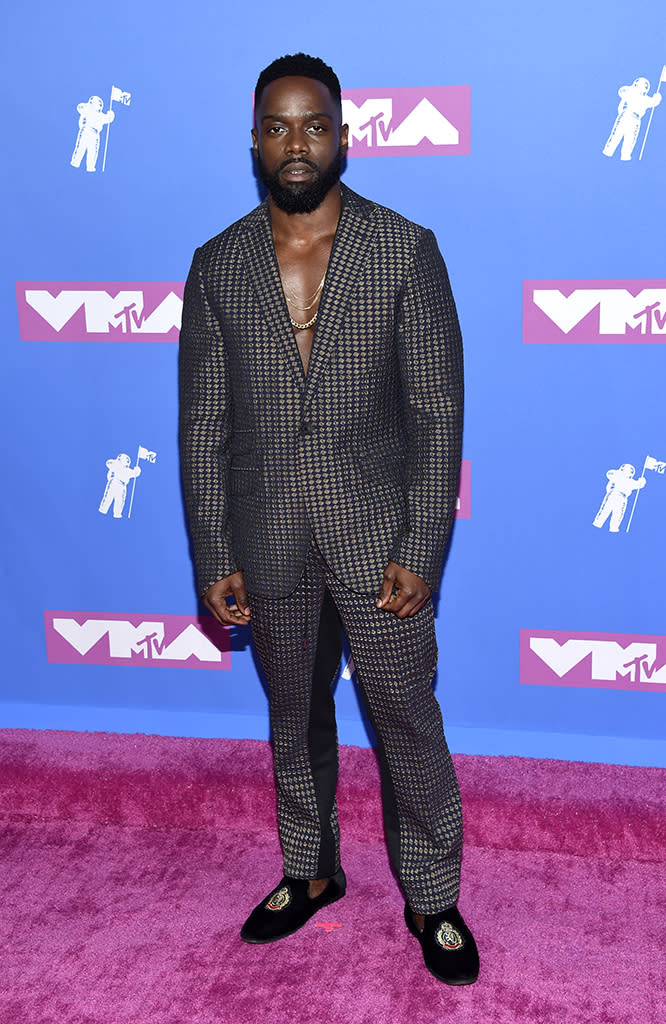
{"x": 429, "y": 348}
{"x": 205, "y": 424}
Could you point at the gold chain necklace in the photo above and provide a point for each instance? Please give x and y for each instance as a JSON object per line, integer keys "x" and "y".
{"x": 303, "y": 327}
{"x": 294, "y": 300}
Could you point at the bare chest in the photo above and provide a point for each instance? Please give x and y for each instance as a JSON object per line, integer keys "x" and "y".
{"x": 303, "y": 273}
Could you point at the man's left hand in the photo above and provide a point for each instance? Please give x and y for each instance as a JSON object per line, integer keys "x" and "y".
{"x": 403, "y": 592}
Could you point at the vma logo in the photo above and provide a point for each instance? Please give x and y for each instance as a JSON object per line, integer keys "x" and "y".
{"x": 99, "y": 311}
{"x": 594, "y": 312}
{"x": 615, "y": 661}
{"x": 173, "y": 641}
{"x": 408, "y": 121}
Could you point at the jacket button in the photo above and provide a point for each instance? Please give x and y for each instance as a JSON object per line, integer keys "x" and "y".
{"x": 305, "y": 429}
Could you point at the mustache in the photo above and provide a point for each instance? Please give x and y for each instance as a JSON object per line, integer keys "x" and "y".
{"x": 297, "y": 160}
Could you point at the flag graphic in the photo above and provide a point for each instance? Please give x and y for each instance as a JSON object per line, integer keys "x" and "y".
{"x": 145, "y": 454}
{"x": 118, "y": 96}
{"x": 663, "y": 75}
{"x": 654, "y": 464}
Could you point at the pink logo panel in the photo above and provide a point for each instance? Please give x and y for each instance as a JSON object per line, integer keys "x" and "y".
{"x": 103, "y": 638}
{"x": 464, "y": 506}
{"x": 622, "y": 312}
{"x": 412, "y": 121}
{"x": 99, "y": 310}
{"x": 615, "y": 661}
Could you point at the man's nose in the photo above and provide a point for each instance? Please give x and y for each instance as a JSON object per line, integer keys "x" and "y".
{"x": 297, "y": 142}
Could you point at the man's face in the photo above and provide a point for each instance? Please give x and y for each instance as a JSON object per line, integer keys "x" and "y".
{"x": 299, "y": 142}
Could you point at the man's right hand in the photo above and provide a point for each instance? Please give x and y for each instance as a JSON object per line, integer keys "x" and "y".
{"x": 237, "y": 613}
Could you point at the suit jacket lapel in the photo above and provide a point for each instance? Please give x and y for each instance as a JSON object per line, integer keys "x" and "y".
{"x": 350, "y": 251}
{"x": 263, "y": 271}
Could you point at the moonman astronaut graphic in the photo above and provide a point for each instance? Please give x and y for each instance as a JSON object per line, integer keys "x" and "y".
{"x": 620, "y": 485}
{"x": 120, "y": 472}
{"x": 634, "y": 101}
{"x": 91, "y": 121}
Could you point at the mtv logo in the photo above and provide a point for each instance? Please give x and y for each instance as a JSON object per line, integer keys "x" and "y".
{"x": 407, "y": 121}
{"x": 628, "y": 312}
{"x": 174, "y": 641}
{"x": 99, "y": 311}
{"x": 616, "y": 661}
{"x": 464, "y": 502}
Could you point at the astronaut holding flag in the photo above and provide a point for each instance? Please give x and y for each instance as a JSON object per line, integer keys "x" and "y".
{"x": 92, "y": 120}
{"x": 621, "y": 484}
{"x": 119, "y": 473}
{"x": 634, "y": 102}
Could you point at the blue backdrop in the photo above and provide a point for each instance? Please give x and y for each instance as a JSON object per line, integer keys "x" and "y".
{"x": 550, "y": 413}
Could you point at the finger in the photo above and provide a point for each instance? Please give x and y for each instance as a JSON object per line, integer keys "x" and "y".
{"x": 242, "y": 603}
{"x": 238, "y": 616}
{"x": 403, "y": 598}
{"x": 386, "y": 593}
{"x": 411, "y": 598}
{"x": 412, "y": 607}
{"x": 221, "y": 611}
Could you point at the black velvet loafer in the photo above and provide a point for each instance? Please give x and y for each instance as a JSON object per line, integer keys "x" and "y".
{"x": 449, "y": 949}
{"x": 288, "y": 907}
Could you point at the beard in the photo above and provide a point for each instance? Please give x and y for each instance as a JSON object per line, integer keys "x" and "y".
{"x": 301, "y": 197}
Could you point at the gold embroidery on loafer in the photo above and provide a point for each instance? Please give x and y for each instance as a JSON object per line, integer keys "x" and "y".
{"x": 449, "y": 937}
{"x": 280, "y": 899}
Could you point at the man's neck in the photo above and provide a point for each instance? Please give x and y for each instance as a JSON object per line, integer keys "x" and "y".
{"x": 304, "y": 228}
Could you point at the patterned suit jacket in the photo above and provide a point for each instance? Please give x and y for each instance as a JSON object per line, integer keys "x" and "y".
{"x": 364, "y": 451}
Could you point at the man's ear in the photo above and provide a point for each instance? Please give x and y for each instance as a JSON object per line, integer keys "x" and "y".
{"x": 344, "y": 138}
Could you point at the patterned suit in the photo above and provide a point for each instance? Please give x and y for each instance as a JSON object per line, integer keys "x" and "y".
{"x": 313, "y": 482}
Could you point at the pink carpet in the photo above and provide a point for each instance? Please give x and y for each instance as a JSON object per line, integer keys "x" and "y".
{"x": 128, "y": 863}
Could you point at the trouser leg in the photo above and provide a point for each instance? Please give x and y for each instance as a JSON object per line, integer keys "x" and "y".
{"x": 395, "y": 661}
{"x": 298, "y": 642}
{"x": 323, "y": 733}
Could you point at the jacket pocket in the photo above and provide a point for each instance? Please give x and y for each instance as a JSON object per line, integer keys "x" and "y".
{"x": 244, "y": 475}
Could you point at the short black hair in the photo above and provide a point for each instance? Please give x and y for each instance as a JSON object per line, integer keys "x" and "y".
{"x": 303, "y": 65}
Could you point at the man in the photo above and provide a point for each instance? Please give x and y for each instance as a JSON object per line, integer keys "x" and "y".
{"x": 321, "y": 409}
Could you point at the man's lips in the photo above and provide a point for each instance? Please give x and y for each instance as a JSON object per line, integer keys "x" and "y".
{"x": 297, "y": 170}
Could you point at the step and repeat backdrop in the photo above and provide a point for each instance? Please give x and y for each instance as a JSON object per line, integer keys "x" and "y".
{"x": 533, "y": 142}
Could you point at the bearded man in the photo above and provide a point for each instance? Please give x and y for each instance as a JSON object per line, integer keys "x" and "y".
{"x": 321, "y": 420}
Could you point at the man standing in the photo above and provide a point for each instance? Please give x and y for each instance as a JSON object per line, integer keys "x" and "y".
{"x": 321, "y": 417}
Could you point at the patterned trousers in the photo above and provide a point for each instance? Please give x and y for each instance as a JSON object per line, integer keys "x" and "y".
{"x": 395, "y": 661}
